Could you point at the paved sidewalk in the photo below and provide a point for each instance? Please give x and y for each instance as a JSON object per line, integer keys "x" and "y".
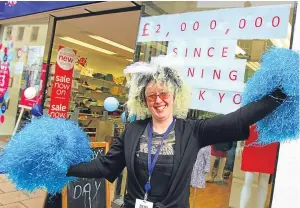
{"x": 11, "y": 198}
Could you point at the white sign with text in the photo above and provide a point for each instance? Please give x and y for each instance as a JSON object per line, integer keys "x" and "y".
{"x": 216, "y": 75}
{"x": 216, "y": 101}
{"x": 263, "y": 22}
{"x": 204, "y": 49}
{"x": 221, "y": 75}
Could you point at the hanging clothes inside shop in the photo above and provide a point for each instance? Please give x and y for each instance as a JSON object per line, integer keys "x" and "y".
{"x": 201, "y": 167}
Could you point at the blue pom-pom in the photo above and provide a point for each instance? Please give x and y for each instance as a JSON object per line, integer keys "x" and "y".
{"x": 38, "y": 156}
{"x": 279, "y": 68}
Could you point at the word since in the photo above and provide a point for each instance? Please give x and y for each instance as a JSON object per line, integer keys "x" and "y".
{"x": 236, "y": 99}
{"x": 198, "y": 52}
{"x": 204, "y": 49}
{"x": 86, "y": 192}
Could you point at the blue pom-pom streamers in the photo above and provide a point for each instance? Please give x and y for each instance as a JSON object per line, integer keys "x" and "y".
{"x": 38, "y": 156}
{"x": 279, "y": 68}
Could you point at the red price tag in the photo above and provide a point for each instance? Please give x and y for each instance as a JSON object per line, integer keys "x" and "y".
{"x": 4, "y": 78}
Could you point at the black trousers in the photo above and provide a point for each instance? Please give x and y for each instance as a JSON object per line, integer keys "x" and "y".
{"x": 119, "y": 186}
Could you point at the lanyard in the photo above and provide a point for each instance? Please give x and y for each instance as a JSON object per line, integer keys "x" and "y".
{"x": 151, "y": 165}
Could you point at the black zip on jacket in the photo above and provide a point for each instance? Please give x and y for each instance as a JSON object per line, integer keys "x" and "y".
{"x": 191, "y": 135}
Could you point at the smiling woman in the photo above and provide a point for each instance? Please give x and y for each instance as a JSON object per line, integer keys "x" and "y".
{"x": 146, "y": 88}
{"x": 159, "y": 100}
{"x": 160, "y": 96}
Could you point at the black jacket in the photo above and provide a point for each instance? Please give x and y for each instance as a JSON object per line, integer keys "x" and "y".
{"x": 191, "y": 135}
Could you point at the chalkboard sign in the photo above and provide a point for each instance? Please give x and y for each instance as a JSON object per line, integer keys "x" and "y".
{"x": 88, "y": 192}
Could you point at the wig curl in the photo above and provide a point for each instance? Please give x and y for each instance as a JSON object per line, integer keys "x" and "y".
{"x": 161, "y": 71}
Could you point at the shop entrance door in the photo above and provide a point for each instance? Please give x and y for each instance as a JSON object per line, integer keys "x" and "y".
{"x": 104, "y": 44}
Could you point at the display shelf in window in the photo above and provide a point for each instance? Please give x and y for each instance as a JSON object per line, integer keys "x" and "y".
{"x": 101, "y": 80}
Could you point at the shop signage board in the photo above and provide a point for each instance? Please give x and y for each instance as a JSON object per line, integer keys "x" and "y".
{"x": 11, "y": 9}
{"x": 206, "y": 42}
{"x": 62, "y": 84}
{"x": 262, "y": 22}
{"x": 87, "y": 192}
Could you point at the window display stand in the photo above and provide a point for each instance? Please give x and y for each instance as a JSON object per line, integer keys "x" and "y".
{"x": 18, "y": 121}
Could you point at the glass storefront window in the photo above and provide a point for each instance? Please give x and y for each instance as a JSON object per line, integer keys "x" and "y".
{"x": 21, "y": 53}
{"x": 234, "y": 178}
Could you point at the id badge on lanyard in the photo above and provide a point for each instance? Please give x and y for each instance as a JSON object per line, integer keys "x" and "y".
{"x": 144, "y": 203}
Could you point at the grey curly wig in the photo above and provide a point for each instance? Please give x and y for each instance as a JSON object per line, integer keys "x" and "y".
{"x": 139, "y": 80}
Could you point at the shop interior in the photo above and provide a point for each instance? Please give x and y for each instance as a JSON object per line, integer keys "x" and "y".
{"x": 105, "y": 46}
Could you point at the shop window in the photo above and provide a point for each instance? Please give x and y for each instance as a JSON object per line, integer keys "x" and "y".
{"x": 20, "y": 33}
{"x": 8, "y": 33}
{"x": 22, "y": 46}
{"x": 34, "y": 33}
{"x": 230, "y": 182}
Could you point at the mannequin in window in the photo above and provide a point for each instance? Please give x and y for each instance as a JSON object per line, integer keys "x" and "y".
{"x": 256, "y": 159}
{"x": 218, "y": 151}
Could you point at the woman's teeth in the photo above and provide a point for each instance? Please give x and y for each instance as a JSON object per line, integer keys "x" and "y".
{"x": 160, "y": 107}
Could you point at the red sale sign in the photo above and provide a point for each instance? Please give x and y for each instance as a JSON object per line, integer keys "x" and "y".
{"x": 28, "y": 103}
{"x": 62, "y": 84}
{"x": 4, "y": 78}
